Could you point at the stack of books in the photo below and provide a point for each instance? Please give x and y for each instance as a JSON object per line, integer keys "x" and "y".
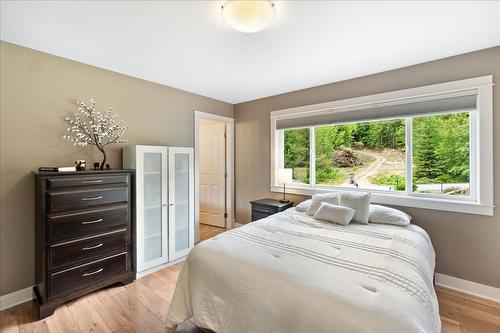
{"x": 57, "y": 169}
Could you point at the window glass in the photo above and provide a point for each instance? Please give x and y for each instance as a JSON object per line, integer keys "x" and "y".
{"x": 368, "y": 155}
{"x": 371, "y": 154}
{"x": 441, "y": 154}
{"x": 296, "y": 153}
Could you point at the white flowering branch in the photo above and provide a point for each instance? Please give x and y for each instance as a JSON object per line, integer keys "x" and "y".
{"x": 91, "y": 127}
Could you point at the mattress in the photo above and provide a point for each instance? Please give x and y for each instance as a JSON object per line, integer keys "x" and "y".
{"x": 292, "y": 273}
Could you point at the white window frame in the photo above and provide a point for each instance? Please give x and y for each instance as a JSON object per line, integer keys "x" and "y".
{"x": 480, "y": 201}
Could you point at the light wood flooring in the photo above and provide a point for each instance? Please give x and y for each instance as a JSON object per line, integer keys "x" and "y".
{"x": 208, "y": 231}
{"x": 142, "y": 307}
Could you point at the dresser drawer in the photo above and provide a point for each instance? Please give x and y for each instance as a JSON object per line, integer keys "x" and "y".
{"x": 257, "y": 216}
{"x": 85, "y": 275}
{"x": 85, "y": 223}
{"x": 77, "y": 199}
{"x": 60, "y": 182}
{"x": 261, "y": 209}
{"x": 72, "y": 252}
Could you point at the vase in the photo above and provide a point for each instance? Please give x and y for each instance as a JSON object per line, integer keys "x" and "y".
{"x": 103, "y": 163}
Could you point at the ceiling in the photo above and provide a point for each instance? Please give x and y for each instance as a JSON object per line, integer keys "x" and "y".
{"x": 187, "y": 45}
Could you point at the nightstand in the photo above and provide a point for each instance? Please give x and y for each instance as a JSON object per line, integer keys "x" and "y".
{"x": 266, "y": 207}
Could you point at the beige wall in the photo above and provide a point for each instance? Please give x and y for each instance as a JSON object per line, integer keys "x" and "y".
{"x": 37, "y": 91}
{"x": 467, "y": 246}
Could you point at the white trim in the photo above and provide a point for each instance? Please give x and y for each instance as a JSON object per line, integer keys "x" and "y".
{"x": 229, "y": 165}
{"x": 15, "y": 298}
{"x": 392, "y": 96}
{"x": 481, "y": 146}
{"x": 139, "y": 275}
{"x": 312, "y": 152}
{"x": 485, "y": 146}
{"x": 396, "y": 199}
{"x": 409, "y": 155}
{"x": 473, "y": 154}
{"x": 468, "y": 287}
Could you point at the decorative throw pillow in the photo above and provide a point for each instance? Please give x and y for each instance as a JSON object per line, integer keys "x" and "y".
{"x": 360, "y": 202}
{"x": 387, "y": 215}
{"x": 303, "y": 206}
{"x": 317, "y": 199}
{"x": 333, "y": 213}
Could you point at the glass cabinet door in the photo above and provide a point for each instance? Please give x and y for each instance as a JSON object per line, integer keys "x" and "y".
{"x": 153, "y": 227}
{"x": 181, "y": 205}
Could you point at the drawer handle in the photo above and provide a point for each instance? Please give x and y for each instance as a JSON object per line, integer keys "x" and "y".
{"x": 91, "y": 222}
{"x": 92, "y": 181}
{"x": 93, "y": 198}
{"x": 92, "y": 247}
{"x": 94, "y": 272}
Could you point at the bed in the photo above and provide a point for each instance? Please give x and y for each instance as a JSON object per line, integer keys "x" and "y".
{"x": 292, "y": 273}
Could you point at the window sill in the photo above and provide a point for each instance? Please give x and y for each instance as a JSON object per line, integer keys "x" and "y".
{"x": 442, "y": 204}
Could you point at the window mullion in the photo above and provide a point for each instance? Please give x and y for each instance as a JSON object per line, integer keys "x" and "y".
{"x": 473, "y": 160}
{"x": 281, "y": 159}
{"x": 312, "y": 157}
{"x": 409, "y": 155}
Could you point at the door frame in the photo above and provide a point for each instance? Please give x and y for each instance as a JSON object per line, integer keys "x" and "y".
{"x": 199, "y": 115}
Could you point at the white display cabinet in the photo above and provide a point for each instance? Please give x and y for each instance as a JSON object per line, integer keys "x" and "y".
{"x": 164, "y": 204}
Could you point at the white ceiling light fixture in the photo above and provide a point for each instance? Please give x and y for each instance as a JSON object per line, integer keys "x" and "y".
{"x": 248, "y": 15}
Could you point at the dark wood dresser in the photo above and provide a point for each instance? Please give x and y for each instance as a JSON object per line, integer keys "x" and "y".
{"x": 266, "y": 207}
{"x": 83, "y": 234}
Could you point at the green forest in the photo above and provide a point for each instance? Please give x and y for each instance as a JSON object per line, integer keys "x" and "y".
{"x": 440, "y": 149}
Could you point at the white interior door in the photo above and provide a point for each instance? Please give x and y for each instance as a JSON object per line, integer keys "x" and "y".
{"x": 212, "y": 168}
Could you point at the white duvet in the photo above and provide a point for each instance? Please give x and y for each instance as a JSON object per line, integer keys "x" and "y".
{"x": 292, "y": 273}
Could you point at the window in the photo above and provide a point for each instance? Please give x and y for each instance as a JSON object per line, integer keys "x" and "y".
{"x": 417, "y": 147}
{"x": 441, "y": 154}
{"x": 296, "y": 153}
{"x": 369, "y": 155}
{"x": 372, "y": 155}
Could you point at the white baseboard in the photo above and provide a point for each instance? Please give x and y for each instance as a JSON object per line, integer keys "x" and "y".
{"x": 468, "y": 287}
{"x": 15, "y": 298}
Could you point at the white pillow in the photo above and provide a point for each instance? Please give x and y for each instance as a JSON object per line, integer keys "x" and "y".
{"x": 303, "y": 206}
{"x": 333, "y": 213}
{"x": 317, "y": 199}
{"x": 387, "y": 215}
{"x": 360, "y": 202}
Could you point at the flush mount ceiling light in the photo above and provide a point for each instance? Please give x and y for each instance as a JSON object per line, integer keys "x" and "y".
{"x": 248, "y": 16}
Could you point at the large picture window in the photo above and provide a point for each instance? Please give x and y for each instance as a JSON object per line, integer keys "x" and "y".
{"x": 424, "y": 147}
{"x": 372, "y": 154}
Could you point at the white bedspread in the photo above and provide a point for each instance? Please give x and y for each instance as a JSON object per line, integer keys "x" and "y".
{"x": 292, "y": 273}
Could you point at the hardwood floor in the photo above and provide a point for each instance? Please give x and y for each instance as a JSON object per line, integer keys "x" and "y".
{"x": 208, "y": 231}
{"x": 466, "y": 313}
{"x": 142, "y": 306}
